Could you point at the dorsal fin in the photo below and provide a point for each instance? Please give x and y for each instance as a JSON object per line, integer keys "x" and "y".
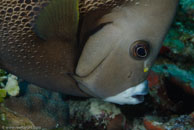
{"x": 58, "y": 20}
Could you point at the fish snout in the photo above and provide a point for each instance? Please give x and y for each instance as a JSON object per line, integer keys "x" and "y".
{"x": 133, "y": 95}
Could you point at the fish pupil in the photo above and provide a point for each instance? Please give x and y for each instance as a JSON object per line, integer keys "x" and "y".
{"x": 141, "y": 52}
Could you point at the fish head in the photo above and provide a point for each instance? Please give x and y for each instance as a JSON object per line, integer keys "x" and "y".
{"x": 116, "y": 60}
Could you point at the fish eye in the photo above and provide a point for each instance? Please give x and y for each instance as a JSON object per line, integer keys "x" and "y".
{"x": 140, "y": 50}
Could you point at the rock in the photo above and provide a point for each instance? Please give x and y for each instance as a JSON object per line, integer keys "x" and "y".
{"x": 117, "y": 123}
{"x": 44, "y": 108}
{"x": 159, "y": 94}
{"x": 13, "y": 120}
{"x": 188, "y": 88}
{"x": 49, "y": 110}
{"x": 95, "y": 114}
{"x": 153, "y": 125}
{"x": 183, "y": 122}
{"x": 169, "y": 94}
{"x": 181, "y": 77}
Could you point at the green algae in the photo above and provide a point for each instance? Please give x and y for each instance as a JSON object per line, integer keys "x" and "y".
{"x": 3, "y": 94}
{"x": 173, "y": 41}
{"x": 173, "y": 70}
{"x": 2, "y": 91}
{"x": 187, "y": 4}
{"x": 180, "y": 36}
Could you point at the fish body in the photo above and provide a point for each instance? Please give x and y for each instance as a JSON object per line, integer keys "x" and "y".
{"x": 85, "y": 52}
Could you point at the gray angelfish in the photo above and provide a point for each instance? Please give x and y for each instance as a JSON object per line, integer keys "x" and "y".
{"x": 103, "y": 48}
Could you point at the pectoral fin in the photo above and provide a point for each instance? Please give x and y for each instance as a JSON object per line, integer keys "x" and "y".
{"x": 58, "y": 20}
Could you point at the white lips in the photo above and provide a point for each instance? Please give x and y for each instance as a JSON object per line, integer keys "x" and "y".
{"x": 130, "y": 96}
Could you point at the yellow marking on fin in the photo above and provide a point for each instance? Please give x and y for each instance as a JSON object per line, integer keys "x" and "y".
{"x": 77, "y": 6}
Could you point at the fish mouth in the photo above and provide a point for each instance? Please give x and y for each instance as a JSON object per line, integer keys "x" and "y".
{"x": 139, "y": 97}
{"x": 133, "y": 95}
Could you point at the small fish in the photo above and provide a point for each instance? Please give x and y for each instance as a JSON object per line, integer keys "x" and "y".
{"x": 98, "y": 48}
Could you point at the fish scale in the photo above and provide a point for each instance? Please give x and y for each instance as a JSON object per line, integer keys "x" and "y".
{"x": 17, "y": 17}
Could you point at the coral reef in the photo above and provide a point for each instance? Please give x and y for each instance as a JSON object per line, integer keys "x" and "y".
{"x": 177, "y": 55}
{"x": 51, "y": 110}
{"x": 44, "y": 108}
{"x": 12, "y": 120}
{"x": 94, "y": 113}
{"x": 10, "y": 86}
{"x": 183, "y": 122}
